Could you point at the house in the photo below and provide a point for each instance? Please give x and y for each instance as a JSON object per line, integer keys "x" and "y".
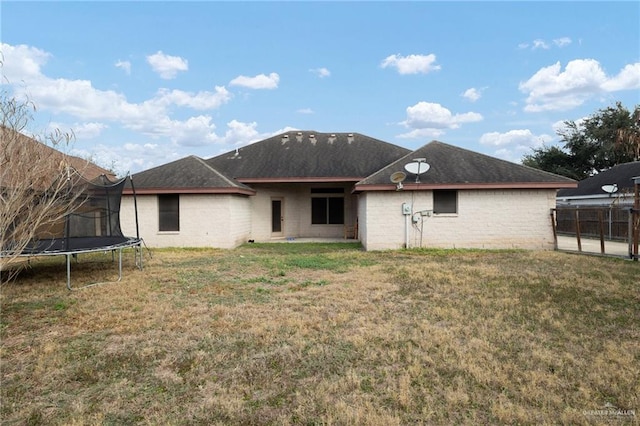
{"x": 20, "y": 150}
{"x": 43, "y": 191}
{"x": 317, "y": 185}
{"x": 613, "y": 187}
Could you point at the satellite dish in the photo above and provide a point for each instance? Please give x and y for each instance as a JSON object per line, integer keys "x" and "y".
{"x": 610, "y": 188}
{"x": 398, "y": 177}
{"x": 417, "y": 167}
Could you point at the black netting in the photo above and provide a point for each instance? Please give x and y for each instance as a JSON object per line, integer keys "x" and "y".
{"x": 94, "y": 223}
{"x": 99, "y": 212}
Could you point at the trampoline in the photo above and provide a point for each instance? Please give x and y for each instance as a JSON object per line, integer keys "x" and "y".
{"x": 93, "y": 226}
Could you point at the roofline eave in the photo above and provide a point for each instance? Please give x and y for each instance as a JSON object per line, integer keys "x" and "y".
{"x": 299, "y": 179}
{"x": 596, "y": 196}
{"x": 431, "y": 186}
{"x": 155, "y": 191}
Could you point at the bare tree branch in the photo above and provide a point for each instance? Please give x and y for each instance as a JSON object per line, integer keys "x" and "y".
{"x": 38, "y": 183}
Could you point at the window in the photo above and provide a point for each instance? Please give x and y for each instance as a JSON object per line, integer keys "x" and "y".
{"x": 169, "y": 212}
{"x": 445, "y": 201}
{"x": 327, "y": 206}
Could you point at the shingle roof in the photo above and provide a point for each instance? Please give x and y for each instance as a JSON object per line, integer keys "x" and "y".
{"x": 11, "y": 139}
{"x": 189, "y": 174}
{"x": 308, "y": 155}
{"x": 621, "y": 175}
{"x": 455, "y": 167}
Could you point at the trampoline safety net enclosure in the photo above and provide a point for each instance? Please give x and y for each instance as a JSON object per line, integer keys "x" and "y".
{"x": 92, "y": 226}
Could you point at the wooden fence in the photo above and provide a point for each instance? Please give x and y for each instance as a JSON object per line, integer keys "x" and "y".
{"x": 620, "y": 224}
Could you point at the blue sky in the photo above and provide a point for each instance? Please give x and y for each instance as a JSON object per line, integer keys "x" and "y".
{"x": 145, "y": 83}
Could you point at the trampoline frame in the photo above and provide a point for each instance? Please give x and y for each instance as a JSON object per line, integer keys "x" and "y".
{"x": 130, "y": 242}
{"x": 119, "y": 245}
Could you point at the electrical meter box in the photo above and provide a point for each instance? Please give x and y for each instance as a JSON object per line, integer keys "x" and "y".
{"x": 406, "y": 209}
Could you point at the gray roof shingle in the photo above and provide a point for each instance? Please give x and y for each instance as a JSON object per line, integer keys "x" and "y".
{"x": 294, "y": 155}
{"x": 189, "y": 174}
{"x": 453, "y": 166}
{"x": 621, "y": 175}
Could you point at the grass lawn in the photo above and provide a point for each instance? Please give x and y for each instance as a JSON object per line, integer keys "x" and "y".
{"x": 324, "y": 334}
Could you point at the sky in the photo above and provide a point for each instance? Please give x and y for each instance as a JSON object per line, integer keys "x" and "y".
{"x": 144, "y": 83}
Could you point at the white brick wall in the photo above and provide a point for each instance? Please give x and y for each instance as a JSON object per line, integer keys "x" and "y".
{"x": 485, "y": 219}
{"x": 226, "y": 221}
{"x": 206, "y": 220}
{"x": 297, "y": 213}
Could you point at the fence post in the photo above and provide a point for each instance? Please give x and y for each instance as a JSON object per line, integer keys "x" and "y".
{"x": 601, "y": 229}
{"x": 631, "y": 234}
{"x": 553, "y": 226}
{"x": 635, "y": 215}
{"x": 578, "y": 229}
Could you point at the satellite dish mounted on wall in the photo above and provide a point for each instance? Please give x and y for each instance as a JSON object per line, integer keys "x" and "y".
{"x": 417, "y": 167}
{"x": 610, "y": 189}
{"x": 398, "y": 178}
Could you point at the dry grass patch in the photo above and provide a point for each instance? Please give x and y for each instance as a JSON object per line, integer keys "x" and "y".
{"x": 324, "y": 334}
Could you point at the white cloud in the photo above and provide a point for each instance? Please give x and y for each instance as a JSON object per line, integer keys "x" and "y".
{"x": 239, "y": 133}
{"x": 81, "y": 131}
{"x": 412, "y": 64}
{"x": 539, "y": 44}
{"x": 544, "y": 45}
{"x": 22, "y": 62}
{"x": 472, "y": 94}
{"x": 522, "y": 137}
{"x": 194, "y": 131}
{"x": 305, "y": 111}
{"x": 553, "y": 89}
{"x": 421, "y": 134}
{"x": 200, "y": 101}
{"x": 260, "y": 81}
{"x": 561, "y": 127}
{"x": 426, "y": 115}
{"x": 562, "y": 41}
{"x": 513, "y": 144}
{"x": 125, "y": 65}
{"x": 167, "y": 66}
{"x": 321, "y": 72}
{"x": 81, "y": 100}
{"x": 627, "y": 79}
{"x": 96, "y": 109}
{"x": 133, "y": 157}
{"x": 129, "y": 157}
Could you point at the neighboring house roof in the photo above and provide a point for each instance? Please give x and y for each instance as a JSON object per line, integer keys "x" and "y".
{"x": 621, "y": 175}
{"x": 186, "y": 175}
{"x": 308, "y": 157}
{"x": 452, "y": 167}
{"x": 37, "y": 149}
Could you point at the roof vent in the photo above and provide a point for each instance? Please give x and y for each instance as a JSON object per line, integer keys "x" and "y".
{"x": 350, "y": 137}
{"x": 312, "y": 138}
{"x": 284, "y": 139}
{"x": 332, "y": 138}
{"x": 299, "y": 136}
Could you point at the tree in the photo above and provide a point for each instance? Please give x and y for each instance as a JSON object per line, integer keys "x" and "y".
{"x": 551, "y": 159}
{"x": 36, "y": 183}
{"x": 609, "y": 137}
